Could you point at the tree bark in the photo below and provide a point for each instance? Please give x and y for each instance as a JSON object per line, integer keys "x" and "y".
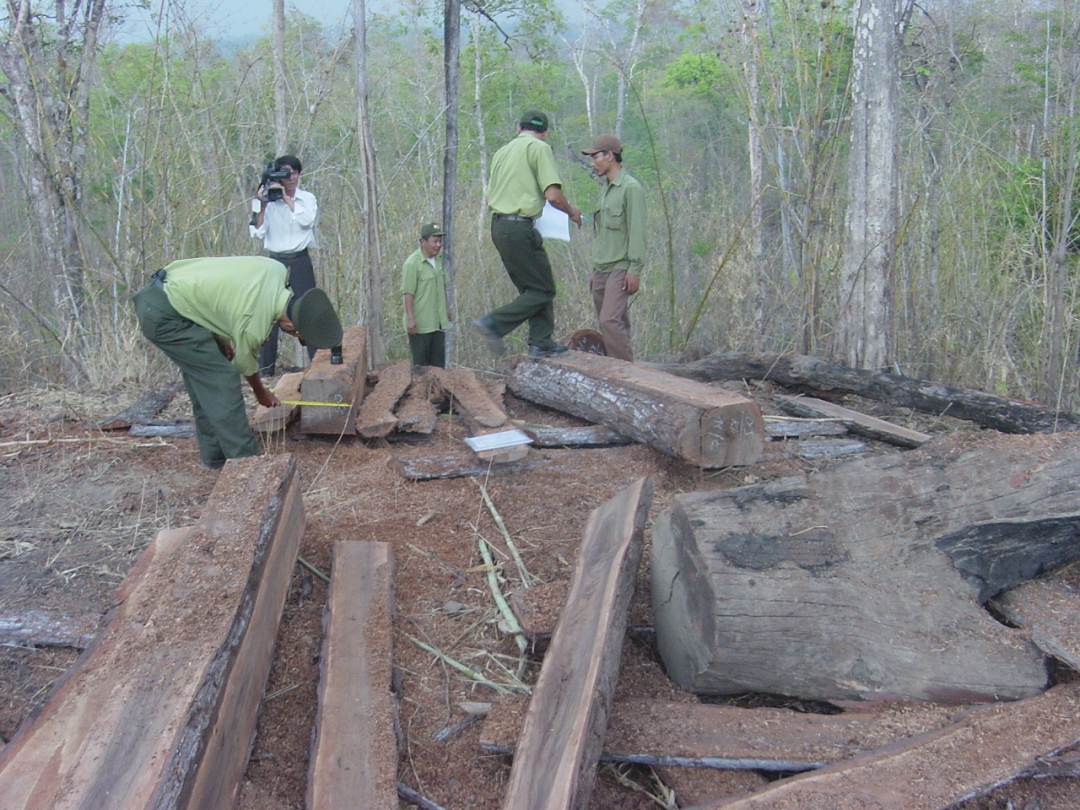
{"x": 451, "y": 70}
{"x": 862, "y": 337}
{"x": 280, "y": 120}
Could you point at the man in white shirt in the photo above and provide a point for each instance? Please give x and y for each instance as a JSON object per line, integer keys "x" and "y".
{"x": 284, "y": 218}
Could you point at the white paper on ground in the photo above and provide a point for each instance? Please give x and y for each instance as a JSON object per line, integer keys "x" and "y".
{"x": 553, "y": 223}
{"x": 497, "y": 441}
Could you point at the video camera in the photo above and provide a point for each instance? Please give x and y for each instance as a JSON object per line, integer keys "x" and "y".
{"x": 272, "y": 175}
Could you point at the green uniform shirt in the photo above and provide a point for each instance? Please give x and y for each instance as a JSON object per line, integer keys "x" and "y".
{"x": 520, "y": 173}
{"x": 235, "y": 297}
{"x": 427, "y": 285}
{"x": 619, "y": 227}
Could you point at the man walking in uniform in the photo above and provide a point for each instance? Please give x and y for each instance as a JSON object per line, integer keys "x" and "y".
{"x": 523, "y": 176}
{"x": 618, "y": 250}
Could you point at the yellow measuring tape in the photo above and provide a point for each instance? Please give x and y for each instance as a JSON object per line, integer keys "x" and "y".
{"x": 320, "y": 404}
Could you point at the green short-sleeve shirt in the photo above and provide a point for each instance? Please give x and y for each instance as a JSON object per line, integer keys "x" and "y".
{"x": 520, "y": 173}
{"x": 427, "y": 285}
{"x": 235, "y": 297}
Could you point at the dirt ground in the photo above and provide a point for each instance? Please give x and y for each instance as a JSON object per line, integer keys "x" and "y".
{"x": 78, "y": 506}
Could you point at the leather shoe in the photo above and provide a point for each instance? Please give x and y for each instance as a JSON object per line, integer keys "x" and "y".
{"x": 553, "y": 350}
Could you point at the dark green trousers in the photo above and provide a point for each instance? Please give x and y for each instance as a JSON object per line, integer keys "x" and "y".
{"x": 212, "y": 382}
{"x": 522, "y": 251}
{"x": 428, "y": 349}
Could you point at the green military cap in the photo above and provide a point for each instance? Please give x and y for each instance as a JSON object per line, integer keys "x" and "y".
{"x": 535, "y": 118}
{"x": 315, "y": 320}
{"x": 431, "y": 229}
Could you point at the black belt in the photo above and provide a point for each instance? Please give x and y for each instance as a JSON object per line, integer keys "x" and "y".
{"x": 158, "y": 279}
{"x": 291, "y": 254}
{"x": 513, "y": 217}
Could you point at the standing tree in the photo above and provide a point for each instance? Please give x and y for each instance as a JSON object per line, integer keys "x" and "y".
{"x": 371, "y": 253}
{"x": 280, "y": 119}
{"x": 452, "y": 62}
{"x": 47, "y": 53}
{"x": 863, "y": 320}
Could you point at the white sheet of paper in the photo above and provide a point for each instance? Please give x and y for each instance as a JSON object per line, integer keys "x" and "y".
{"x": 553, "y": 223}
{"x": 497, "y": 441}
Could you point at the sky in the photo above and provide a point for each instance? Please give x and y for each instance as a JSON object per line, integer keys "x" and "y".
{"x": 238, "y": 19}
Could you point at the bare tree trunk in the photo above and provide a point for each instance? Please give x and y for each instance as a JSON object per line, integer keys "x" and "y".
{"x": 751, "y": 69}
{"x": 50, "y": 106}
{"x": 1061, "y": 209}
{"x": 452, "y": 57}
{"x": 862, "y": 337}
{"x": 481, "y": 135}
{"x": 371, "y": 253}
{"x": 280, "y": 119}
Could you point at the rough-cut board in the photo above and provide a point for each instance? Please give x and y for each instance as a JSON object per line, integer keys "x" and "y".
{"x": 856, "y": 422}
{"x": 354, "y": 754}
{"x": 324, "y": 382}
{"x": 989, "y": 747}
{"x": 1050, "y": 610}
{"x": 271, "y": 420}
{"x": 148, "y": 404}
{"x": 462, "y": 466}
{"x": 585, "y": 436}
{"x": 169, "y": 428}
{"x": 689, "y": 420}
{"x": 811, "y": 375}
{"x": 779, "y": 427}
{"x": 42, "y": 628}
{"x": 839, "y": 585}
{"x": 375, "y": 417}
{"x": 160, "y": 710}
{"x": 657, "y": 732}
{"x": 471, "y": 399}
{"x": 416, "y": 413}
{"x": 812, "y": 448}
{"x": 560, "y": 743}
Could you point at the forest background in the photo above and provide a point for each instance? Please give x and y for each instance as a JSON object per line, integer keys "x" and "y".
{"x": 737, "y": 117}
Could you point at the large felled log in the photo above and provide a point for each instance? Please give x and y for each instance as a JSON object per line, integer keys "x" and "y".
{"x": 989, "y": 747}
{"x": 814, "y": 376}
{"x": 355, "y": 752}
{"x": 685, "y": 419}
{"x": 160, "y": 710}
{"x": 325, "y": 382}
{"x": 664, "y": 733}
{"x": 560, "y": 743}
{"x": 865, "y": 581}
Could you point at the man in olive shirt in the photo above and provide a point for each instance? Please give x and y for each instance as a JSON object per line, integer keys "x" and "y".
{"x": 210, "y": 316}
{"x": 427, "y": 310}
{"x": 523, "y": 176}
{"x": 618, "y": 251}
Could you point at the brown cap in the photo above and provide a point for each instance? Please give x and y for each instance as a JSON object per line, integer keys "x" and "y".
{"x": 604, "y": 143}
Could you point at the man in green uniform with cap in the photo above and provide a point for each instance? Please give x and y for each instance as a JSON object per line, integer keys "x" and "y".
{"x": 523, "y": 176}
{"x": 210, "y": 316}
{"x": 427, "y": 308}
